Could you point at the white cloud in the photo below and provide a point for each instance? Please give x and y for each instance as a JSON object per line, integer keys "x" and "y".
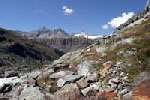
{"x": 105, "y": 26}
{"x": 116, "y": 22}
{"x": 67, "y": 11}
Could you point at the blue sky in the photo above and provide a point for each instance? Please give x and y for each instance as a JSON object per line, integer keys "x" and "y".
{"x": 70, "y": 15}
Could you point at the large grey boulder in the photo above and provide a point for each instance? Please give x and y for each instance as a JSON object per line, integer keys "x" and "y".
{"x": 68, "y": 92}
{"x": 85, "y": 68}
{"x": 31, "y": 93}
{"x": 67, "y": 78}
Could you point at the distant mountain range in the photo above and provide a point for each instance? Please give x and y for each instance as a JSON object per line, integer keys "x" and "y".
{"x": 45, "y": 33}
{"x": 60, "y": 39}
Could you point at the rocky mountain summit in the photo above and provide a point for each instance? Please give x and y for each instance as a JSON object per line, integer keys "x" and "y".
{"x": 117, "y": 68}
{"x": 43, "y": 32}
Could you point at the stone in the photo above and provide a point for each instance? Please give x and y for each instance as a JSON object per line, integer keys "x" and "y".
{"x": 68, "y": 92}
{"x": 60, "y": 74}
{"x": 123, "y": 92}
{"x": 67, "y": 78}
{"x": 93, "y": 77}
{"x": 49, "y": 96}
{"x": 7, "y": 83}
{"x": 142, "y": 92}
{"x": 111, "y": 95}
{"x": 127, "y": 96}
{"x": 109, "y": 90}
{"x": 114, "y": 86}
{"x": 114, "y": 80}
{"x": 85, "y": 68}
{"x": 100, "y": 93}
{"x": 107, "y": 95}
{"x": 101, "y": 49}
{"x": 105, "y": 70}
{"x": 82, "y": 83}
{"x": 34, "y": 74}
{"x": 96, "y": 86}
{"x": 31, "y": 93}
{"x": 86, "y": 90}
{"x": 107, "y": 63}
{"x": 141, "y": 77}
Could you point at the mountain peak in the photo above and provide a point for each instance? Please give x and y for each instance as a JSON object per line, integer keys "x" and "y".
{"x": 42, "y": 28}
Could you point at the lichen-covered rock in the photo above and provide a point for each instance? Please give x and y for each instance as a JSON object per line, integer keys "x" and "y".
{"x": 85, "y": 68}
{"x": 68, "y": 92}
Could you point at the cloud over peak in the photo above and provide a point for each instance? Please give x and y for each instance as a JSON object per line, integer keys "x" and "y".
{"x": 116, "y": 22}
{"x": 67, "y": 11}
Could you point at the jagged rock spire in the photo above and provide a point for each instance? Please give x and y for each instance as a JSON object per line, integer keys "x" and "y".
{"x": 147, "y": 6}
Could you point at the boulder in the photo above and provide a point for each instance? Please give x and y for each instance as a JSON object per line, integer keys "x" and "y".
{"x": 93, "y": 77}
{"x": 94, "y": 87}
{"x": 127, "y": 96}
{"x": 67, "y": 78}
{"x": 86, "y": 90}
{"x": 82, "y": 83}
{"x": 104, "y": 71}
{"x": 31, "y": 93}
{"x": 141, "y": 77}
{"x": 60, "y": 74}
{"x": 107, "y": 95}
{"x": 68, "y": 92}
{"x": 85, "y": 68}
{"x": 142, "y": 92}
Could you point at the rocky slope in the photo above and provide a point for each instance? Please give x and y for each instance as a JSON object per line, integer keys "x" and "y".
{"x": 116, "y": 69}
{"x": 19, "y": 53}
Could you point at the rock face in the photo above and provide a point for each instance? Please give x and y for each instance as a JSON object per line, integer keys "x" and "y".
{"x": 85, "y": 68}
{"x": 142, "y": 92}
{"x": 68, "y": 92}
